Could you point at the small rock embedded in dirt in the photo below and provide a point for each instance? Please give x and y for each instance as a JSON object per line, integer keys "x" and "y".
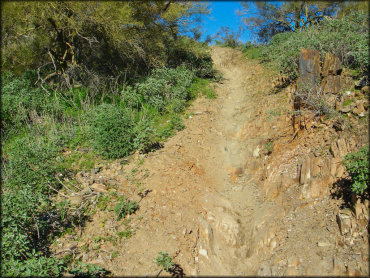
{"x": 344, "y": 223}
{"x": 339, "y": 125}
{"x": 99, "y": 187}
{"x": 124, "y": 161}
{"x": 323, "y": 244}
{"x": 256, "y": 152}
{"x": 96, "y": 170}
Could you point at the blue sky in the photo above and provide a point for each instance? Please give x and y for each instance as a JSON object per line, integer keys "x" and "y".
{"x": 223, "y": 13}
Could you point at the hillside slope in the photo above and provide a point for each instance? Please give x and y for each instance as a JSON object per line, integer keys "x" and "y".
{"x": 205, "y": 200}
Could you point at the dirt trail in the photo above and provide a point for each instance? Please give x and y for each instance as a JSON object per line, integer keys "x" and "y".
{"x": 204, "y": 192}
{"x": 206, "y": 203}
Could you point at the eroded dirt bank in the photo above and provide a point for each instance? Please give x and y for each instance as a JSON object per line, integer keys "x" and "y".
{"x": 223, "y": 195}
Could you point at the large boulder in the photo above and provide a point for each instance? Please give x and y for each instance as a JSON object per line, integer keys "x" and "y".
{"x": 309, "y": 68}
{"x": 332, "y": 65}
{"x": 333, "y": 84}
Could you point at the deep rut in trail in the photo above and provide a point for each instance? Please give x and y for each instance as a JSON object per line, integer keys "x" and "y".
{"x": 237, "y": 215}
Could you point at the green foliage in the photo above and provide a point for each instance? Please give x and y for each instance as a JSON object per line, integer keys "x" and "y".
{"x": 112, "y": 131}
{"x": 125, "y": 234}
{"x": 346, "y": 37}
{"x": 28, "y": 216}
{"x": 176, "y": 122}
{"x": 347, "y": 102}
{"x": 203, "y": 87}
{"x": 357, "y": 165}
{"x": 103, "y": 202}
{"x": 21, "y": 101}
{"x": 125, "y": 207}
{"x": 252, "y": 51}
{"x": 270, "y": 18}
{"x": 144, "y": 134}
{"x": 36, "y": 265}
{"x": 268, "y": 147}
{"x": 164, "y": 86}
{"x": 228, "y": 38}
{"x": 164, "y": 261}
{"x": 88, "y": 270}
{"x": 194, "y": 55}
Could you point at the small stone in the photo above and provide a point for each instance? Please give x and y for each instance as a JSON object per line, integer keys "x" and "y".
{"x": 124, "y": 161}
{"x": 359, "y": 109}
{"x": 323, "y": 244}
{"x": 75, "y": 200}
{"x": 256, "y": 152}
{"x": 203, "y": 252}
{"x": 96, "y": 170}
{"x": 344, "y": 223}
{"x": 273, "y": 244}
{"x": 99, "y": 187}
{"x": 339, "y": 125}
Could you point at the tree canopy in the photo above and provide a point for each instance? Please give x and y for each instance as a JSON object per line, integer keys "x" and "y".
{"x": 265, "y": 18}
{"x": 65, "y": 39}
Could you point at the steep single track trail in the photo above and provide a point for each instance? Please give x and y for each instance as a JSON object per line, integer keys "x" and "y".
{"x": 206, "y": 204}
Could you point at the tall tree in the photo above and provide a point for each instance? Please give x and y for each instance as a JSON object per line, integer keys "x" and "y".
{"x": 65, "y": 38}
{"x": 346, "y": 7}
{"x": 265, "y": 18}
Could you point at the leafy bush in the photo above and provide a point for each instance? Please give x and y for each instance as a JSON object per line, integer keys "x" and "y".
{"x": 176, "y": 122}
{"x": 312, "y": 98}
{"x": 112, "y": 131}
{"x": 193, "y": 54}
{"x": 28, "y": 216}
{"x": 252, "y": 51}
{"x": 20, "y": 98}
{"x": 164, "y": 86}
{"x": 202, "y": 86}
{"x": 345, "y": 37}
{"x": 130, "y": 98}
{"x": 36, "y": 266}
{"x": 228, "y": 38}
{"x": 88, "y": 270}
{"x": 125, "y": 207}
{"x": 357, "y": 165}
{"x": 164, "y": 261}
{"x": 144, "y": 133}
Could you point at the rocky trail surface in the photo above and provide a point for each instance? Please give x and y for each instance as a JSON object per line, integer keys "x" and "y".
{"x": 223, "y": 196}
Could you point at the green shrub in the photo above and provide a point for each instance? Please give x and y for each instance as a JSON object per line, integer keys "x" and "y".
{"x": 130, "y": 98}
{"x": 36, "y": 266}
{"x": 112, "y": 131}
{"x": 176, "y": 122}
{"x": 125, "y": 207}
{"x": 202, "y": 86}
{"x": 144, "y": 134}
{"x": 164, "y": 86}
{"x": 28, "y": 215}
{"x": 357, "y": 165}
{"x": 193, "y": 54}
{"x": 345, "y": 37}
{"x": 154, "y": 92}
{"x": 20, "y": 98}
{"x": 88, "y": 270}
{"x": 252, "y": 51}
{"x": 164, "y": 261}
